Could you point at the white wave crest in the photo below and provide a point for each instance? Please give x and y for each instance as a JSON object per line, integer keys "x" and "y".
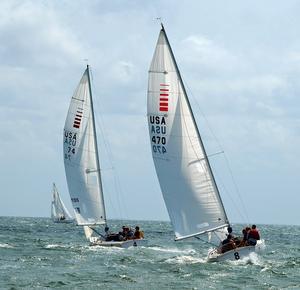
{"x": 53, "y": 246}
{"x": 185, "y": 260}
{"x": 6, "y": 246}
{"x": 173, "y": 250}
{"x": 104, "y": 249}
{"x": 252, "y": 258}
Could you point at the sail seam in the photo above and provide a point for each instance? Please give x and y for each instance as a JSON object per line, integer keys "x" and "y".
{"x": 80, "y": 100}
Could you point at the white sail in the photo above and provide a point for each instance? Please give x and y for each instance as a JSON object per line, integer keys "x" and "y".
{"x": 81, "y": 157}
{"x": 181, "y": 163}
{"x": 59, "y": 212}
{"x": 88, "y": 231}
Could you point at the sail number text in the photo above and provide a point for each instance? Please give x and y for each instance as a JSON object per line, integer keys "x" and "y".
{"x": 158, "y": 131}
{"x": 70, "y": 139}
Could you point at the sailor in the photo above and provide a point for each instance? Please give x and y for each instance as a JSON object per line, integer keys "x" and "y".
{"x": 229, "y": 229}
{"x": 124, "y": 232}
{"x": 108, "y": 235}
{"x": 228, "y": 244}
{"x": 112, "y": 236}
{"x": 227, "y": 240}
{"x": 229, "y": 236}
{"x": 253, "y": 236}
{"x": 129, "y": 234}
{"x": 244, "y": 240}
{"x": 107, "y": 232}
{"x": 138, "y": 234}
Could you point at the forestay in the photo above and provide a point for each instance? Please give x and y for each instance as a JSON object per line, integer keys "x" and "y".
{"x": 182, "y": 167}
{"x": 81, "y": 159}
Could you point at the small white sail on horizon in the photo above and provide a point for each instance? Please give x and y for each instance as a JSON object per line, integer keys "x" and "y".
{"x": 82, "y": 166}
{"x": 187, "y": 183}
{"x": 59, "y": 212}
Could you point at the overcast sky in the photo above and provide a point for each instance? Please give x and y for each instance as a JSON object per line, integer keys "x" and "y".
{"x": 240, "y": 61}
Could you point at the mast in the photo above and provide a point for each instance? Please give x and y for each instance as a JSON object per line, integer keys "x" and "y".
{"x": 95, "y": 139}
{"x": 194, "y": 121}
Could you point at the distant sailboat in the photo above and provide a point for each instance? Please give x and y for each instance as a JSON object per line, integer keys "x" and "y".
{"x": 182, "y": 166}
{"x": 59, "y": 212}
{"x": 82, "y": 167}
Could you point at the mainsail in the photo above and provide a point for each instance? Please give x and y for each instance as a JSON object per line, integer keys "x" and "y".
{"x": 81, "y": 157}
{"x": 59, "y": 211}
{"x": 186, "y": 180}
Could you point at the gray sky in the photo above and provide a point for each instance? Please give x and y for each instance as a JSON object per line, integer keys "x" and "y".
{"x": 241, "y": 64}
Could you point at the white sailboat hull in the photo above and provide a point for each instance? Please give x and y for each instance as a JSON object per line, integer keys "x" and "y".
{"x": 235, "y": 254}
{"x": 121, "y": 244}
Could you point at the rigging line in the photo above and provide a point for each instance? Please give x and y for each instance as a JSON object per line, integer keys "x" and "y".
{"x": 99, "y": 122}
{"x": 180, "y": 80}
{"x": 232, "y": 200}
{"x": 217, "y": 236}
{"x": 214, "y": 154}
{"x": 210, "y": 243}
{"x": 119, "y": 196}
{"x": 181, "y": 98}
{"x": 216, "y": 173}
{"x": 96, "y": 232}
{"x": 107, "y": 169}
{"x": 237, "y": 189}
{"x": 107, "y": 146}
{"x": 208, "y": 173}
{"x": 219, "y": 144}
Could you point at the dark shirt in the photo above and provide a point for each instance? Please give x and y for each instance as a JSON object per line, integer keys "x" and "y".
{"x": 227, "y": 240}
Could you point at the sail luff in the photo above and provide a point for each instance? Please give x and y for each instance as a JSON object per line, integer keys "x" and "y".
{"x": 194, "y": 121}
{"x": 96, "y": 143}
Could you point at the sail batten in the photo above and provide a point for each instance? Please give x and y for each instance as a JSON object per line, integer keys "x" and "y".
{"x": 187, "y": 183}
{"x": 81, "y": 157}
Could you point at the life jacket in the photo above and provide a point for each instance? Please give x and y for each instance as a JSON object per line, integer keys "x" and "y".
{"x": 254, "y": 234}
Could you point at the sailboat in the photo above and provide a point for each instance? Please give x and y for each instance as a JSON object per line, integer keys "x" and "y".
{"x": 59, "y": 212}
{"x": 82, "y": 167}
{"x": 186, "y": 179}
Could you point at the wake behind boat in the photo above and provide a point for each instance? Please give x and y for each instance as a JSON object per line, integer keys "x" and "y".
{"x": 186, "y": 179}
{"x": 59, "y": 212}
{"x": 82, "y": 168}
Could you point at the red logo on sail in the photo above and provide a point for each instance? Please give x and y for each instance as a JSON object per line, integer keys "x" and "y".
{"x": 163, "y": 98}
{"x": 78, "y": 118}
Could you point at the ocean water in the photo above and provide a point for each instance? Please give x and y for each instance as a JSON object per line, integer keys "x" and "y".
{"x": 38, "y": 254}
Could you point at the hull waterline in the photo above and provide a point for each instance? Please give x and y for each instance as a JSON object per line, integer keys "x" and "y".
{"x": 121, "y": 244}
{"x": 235, "y": 254}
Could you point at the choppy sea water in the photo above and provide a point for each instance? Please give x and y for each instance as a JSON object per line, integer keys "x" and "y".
{"x": 38, "y": 254}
